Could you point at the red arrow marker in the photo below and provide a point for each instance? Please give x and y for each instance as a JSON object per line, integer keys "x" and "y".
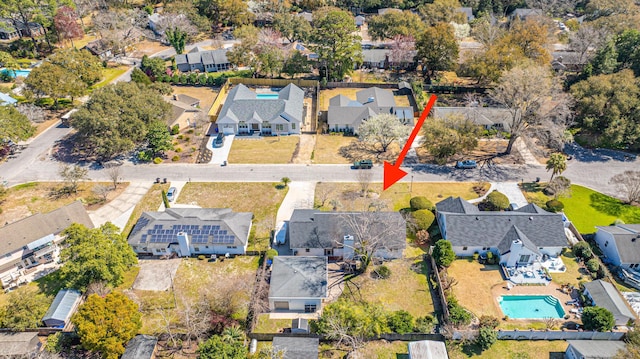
{"x": 393, "y": 173}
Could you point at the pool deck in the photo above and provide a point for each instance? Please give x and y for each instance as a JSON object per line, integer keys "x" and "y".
{"x": 551, "y": 289}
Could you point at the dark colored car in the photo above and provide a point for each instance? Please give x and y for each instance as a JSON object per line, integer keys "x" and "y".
{"x": 466, "y": 164}
{"x": 363, "y": 164}
{"x": 219, "y": 140}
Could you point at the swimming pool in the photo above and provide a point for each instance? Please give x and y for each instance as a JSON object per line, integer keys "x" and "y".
{"x": 16, "y": 73}
{"x": 267, "y": 96}
{"x": 531, "y": 306}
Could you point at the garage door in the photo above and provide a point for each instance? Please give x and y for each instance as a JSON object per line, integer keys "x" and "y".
{"x": 281, "y": 305}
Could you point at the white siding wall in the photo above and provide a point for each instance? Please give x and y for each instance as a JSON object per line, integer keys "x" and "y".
{"x": 312, "y": 252}
{"x": 468, "y": 252}
{"x": 296, "y": 305}
{"x": 610, "y": 251}
{"x": 216, "y": 250}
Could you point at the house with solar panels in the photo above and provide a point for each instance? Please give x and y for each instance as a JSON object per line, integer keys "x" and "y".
{"x": 187, "y": 232}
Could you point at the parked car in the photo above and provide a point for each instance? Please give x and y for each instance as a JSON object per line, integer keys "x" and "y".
{"x": 171, "y": 194}
{"x": 218, "y": 141}
{"x": 362, "y": 164}
{"x": 466, "y": 164}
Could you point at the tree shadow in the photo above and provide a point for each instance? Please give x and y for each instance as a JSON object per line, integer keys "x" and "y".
{"x": 51, "y": 283}
{"x": 605, "y": 204}
{"x": 356, "y": 151}
{"x": 471, "y": 349}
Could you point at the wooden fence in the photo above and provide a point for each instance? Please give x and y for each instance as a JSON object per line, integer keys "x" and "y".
{"x": 272, "y": 82}
{"x": 441, "y": 296}
{"x": 409, "y": 337}
{"x": 218, "y": 102}
{"x": 360, "y": 85}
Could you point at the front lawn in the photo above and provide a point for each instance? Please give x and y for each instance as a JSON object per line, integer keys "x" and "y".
{"x": 109, "y": 74}
{"x": 473, "y": 290}
{"x": 277, "y": 150}
{"x": 587, "y": 208}
{"x": 327, "y": 149}
{"x": 262, "y": 199}
{"x": 510, "y": 349}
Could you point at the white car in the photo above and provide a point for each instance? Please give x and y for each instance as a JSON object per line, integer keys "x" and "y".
{"x": 280, "y": 234}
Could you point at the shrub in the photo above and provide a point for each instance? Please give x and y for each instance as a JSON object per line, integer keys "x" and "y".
{"x": 201, "y": 257}
{"x": 491, "y": 259}
{"x": 178, "y": 149}
{"x": 422, "y": 236}
{"x": 400, "y": 322}
{"x": 175, "y": 158}
{"x": 423, "y": 218}
{"x": 582, "y": 250}
{"x": 489, "y": 321}
{"x": 593, "y": 265}
{"x": 190, "y": 131}
{"x": 443, "y": 253}
{"x": 424, "y": 324}
{"x": 157, "y": 160}
{"x": 554, "y": 205}
{"x": 495, "y": 201}
{"x": 476, "y": 255}
{"x": 145, "y": 156}
{"x": 165, "y": 200}
{"x": 457, "y": 314}
{"x": 486, "y": 337}
{"x": 598, "y": 319}
{"x": 271, "y": 253}
{"x": 175, "y": 130}
{"x": 420, "y": 202}
{"x": 180, "y": 137}
{"x": 187, "y": 138}
{"x": 383, "y": 272}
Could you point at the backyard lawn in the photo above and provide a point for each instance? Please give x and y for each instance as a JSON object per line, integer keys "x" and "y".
{"x": 205, "y": 94}
{"x": 109, "y": 74}
{"x": 473, "y": 290}
{"x": 266, "y": 325}
{"x": 327, "y": 150}
{"x": 511, "y": 349}
{"x": 396, "y": 197}
{"x": 326, "y": 95}
{"x": 263, "y": 199}
{"x": 278, "y": 149}
{"x": 572, "y": 275}
{"x": 150, "y": 202}
{"x": 587, "y": 208}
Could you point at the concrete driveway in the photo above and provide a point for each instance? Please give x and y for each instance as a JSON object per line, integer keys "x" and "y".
{"x": 119, "y": 210}
{"x": 220, "y": 154}
{"x": 156, "y": 274}
{"x": 512, "y": 191}
{"x": 300, "y": 195}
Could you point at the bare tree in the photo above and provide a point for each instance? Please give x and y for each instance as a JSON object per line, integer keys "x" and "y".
{"x": 99, "y": 288}
{"x": 323, "y": 192}
{"x": 364, "y": 178}
{"x": 628, "y": 184}
{"x": 586, "y": 41}
{"x": 486, "y": 33}
{"x": 195, "y": 318}
{"x": 335, "y": 204}
{"x": 171, "y": 21}
{"x": 559, "y": 186}
{"x": 271, "y": 352}
{"x": 102, "y": 191}
{"x": 114, "y": 175}
{"x": 34, "y": 113}
{"x": 341, "y": 331}
{"x": 551, "y": 323}
{"x": 73, "y": 174}
{"x": 120, "y": 28}
{"x": 402, "y": 51}
{"x": 552, "y": 7}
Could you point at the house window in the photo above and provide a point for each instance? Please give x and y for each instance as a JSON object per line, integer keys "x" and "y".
{"x": 307, "y": 250}
{"x": 293, "y": 126}
{"x": 197, "y": 249}
{"x": 232, "y": 247}
{"x": 524, "y": 258}
{"x": 464, "y": 248}
{"x": 279, "y": 127}
{"x": 606, "y": 243}
{"x": 309, "y": 308}
{"x": 328, "y": 252}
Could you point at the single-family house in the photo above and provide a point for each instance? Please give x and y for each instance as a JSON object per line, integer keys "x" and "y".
{"x": 100, "y": 48}
{"x": 6, "y": 100}
{"x": 337, "y": 234}
{"x": 604, "y": 294}
{"x": 140, "y": 347}
{"x": 568, "y": 61}
{"x": 203, "y": 60}
{"x": 467, "y": 12}
{"x": 487, "y": 117}
{"x": 359, "y": 20}
{"x": 296, "y": 347}
{"x": 523, "y": 14}
{"x": 593, "y": 349}
{"x": 184, "y": 111}
{"x": 519, "y": 237}
{"x": 191, "y": 231}
{"x": 620, "y": 244}
{"x": 34, "y": 241}
{"x": 12, "y": 29}
{"x": 427, "y": 349}
{"x": 246, "y": 112}
{"x": 298, "y": 284}
{"x": 19, "y": 345}
{"x": 383, "y": 59}
{"x": 60, "y": 311}
{"x": 346, "y": 115}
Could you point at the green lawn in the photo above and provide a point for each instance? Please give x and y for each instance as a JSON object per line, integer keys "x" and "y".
{"x": 278, "y": 149}
{"x": 266, "y": 325}
{"x": 572, "y": 275}
{"x": 587, "y": 208}
{"x": 510, "y": 349}
{"x": 109, "y": 74}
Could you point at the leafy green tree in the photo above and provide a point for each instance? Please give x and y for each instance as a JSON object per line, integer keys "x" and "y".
{"x": 530, "y": 38}
{"x": 153, "y": 66}
{"x": 438, "y": 49}
{"x": 445, "y": 138}
{"x": 387, "y": 26}
{"x": 105, "y": 325}
{"x": 556, "y": 163}
{"x": 138, "y": 76}
{"x": 606, "y": 59}
{"x": 486, "y": 337}
{"x": 608, "y": 107}
{"x": 292, "y": 27}
{"x": 582, "y": 250}
{"x": 400, "y": 322}
{"x": 7, "y": 61}
{"x": 116, "y": 118}
{"x": 270, "y": 60}
{"x": 54, "y": 81}
{"x": 95, "y": 255}
{"x": 159, "y": 137}
{"x": 24, "y": 309}
{"x": 14, "y": 126}
{"x": 441, "y": 11}
{"x": 335, "y": 42}
{"x": 226, "y": 12}
{"x": 80, "y": 63}
{"x": 382, "y": 130}
{"x": 495, "y": 201}
{"x": 295, "y": 64}
{"x": 177, "y": 38}
{"x": 285, "y": 181}
{"x": 458, "y": 315}
{"x": 216, "y": 348}
{"x": 598, "y": 319}
{"x": 443, "y": 253}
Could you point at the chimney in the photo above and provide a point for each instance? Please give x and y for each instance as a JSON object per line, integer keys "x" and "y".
{"x": 184, "y": 245}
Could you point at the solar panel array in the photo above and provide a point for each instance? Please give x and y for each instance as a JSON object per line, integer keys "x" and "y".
{"x": 142, "y": 222}
{"x": 198, "y": 235}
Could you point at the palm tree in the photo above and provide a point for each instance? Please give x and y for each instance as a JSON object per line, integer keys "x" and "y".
{"x": 233, "y": 334}
{"x": 285, "y": 181}
{"x": 557, "y": 163}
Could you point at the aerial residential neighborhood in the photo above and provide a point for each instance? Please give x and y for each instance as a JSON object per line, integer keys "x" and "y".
{"x": 442, "y": 179}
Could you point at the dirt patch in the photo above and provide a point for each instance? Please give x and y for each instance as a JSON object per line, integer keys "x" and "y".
{"x": 206, "y": 95}
{"x": 305, "y": 149}
{"x": 148, "y": 48}
{"x": 156, "y": 274}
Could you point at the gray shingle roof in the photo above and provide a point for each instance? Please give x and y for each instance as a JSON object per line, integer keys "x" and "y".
{"x": 242, "y": 105}
{"x": 315, "y": 229}
{"x": 63, "y": 305}
{"x": 199, "y": 56}
{"x": 627, "y": 238}
{"x": 236, "y": 224}
{"x": 597, "y": 349}
{"x": 140, "y": 347}
{"x": 181, "y": 59}
{"x": 298, "y": 277}
{"x": 18, "y": 234}
{"x": 606, "y": 296}
{"x": 381, "y": 97}
{"x": 466, "y": 226}
{"x": 484, "y": 116}
{"x": 343, "y": 110}
{"x": 514, "y": 234}
{"x": 374, "y": 55}
{"x": 297, "y": 348}
{"x": 18, "y": 344}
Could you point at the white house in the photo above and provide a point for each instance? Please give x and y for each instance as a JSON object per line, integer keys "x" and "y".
{"x": 604, "y": 294}
{"x": 34, "y": 242}
{"x": 191, "y": 231}
{"x": 620, "y": 244}
{"x": 519, "y": 236}
{"x": 298, "y": 284}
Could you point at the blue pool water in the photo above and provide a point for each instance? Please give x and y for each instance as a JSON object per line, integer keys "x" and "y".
{"x": 267, "y": 96}
{"x": 16, "y": 73}
{"x": 531, "y": 306}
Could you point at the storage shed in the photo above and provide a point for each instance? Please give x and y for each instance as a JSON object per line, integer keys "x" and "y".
{"x": 62, "y": 308}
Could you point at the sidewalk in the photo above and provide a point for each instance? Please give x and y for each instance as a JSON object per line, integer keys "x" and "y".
{"x": 119, "y": 210}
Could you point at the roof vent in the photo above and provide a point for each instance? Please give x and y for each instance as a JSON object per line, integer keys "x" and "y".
{"x": 370, "y": 99}
{"x": 531, "y": 218}
{"x": 477, "y": 218}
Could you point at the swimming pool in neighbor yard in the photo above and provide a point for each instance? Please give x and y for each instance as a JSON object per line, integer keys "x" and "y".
{"x": 531, "y": 306}
{"x": 267, "y": 96}
{"x": 16, "y": 73}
